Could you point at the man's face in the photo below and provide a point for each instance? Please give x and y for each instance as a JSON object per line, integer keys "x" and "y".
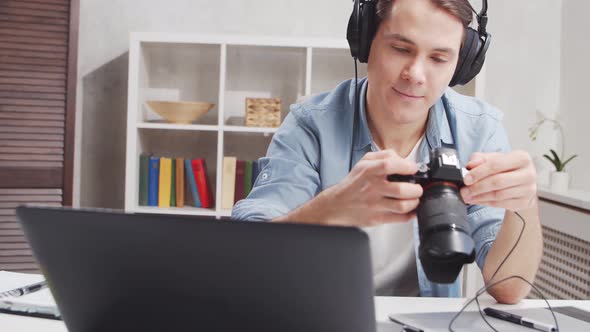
{"x": 412, "y": 59}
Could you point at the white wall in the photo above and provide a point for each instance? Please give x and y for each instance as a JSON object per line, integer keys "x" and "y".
{"x": 523, "y": 68}
{"x": 575, "y": 74}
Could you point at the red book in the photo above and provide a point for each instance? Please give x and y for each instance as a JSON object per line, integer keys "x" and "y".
{"x": 200, "y": 172}
{"x": 240, "y": 172}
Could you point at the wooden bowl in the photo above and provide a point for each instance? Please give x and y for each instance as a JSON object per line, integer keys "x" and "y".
{"x": 181, "y": 112}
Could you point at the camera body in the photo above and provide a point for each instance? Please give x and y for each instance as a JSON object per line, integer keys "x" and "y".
{"x": 445, "y": 234}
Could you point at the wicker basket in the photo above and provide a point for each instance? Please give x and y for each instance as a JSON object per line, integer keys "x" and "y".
{"x": 263, "y": 112}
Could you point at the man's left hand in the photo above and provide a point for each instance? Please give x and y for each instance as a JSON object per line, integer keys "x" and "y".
{"x": 504, "y": 180}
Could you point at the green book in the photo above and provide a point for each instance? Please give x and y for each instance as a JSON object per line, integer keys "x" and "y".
{"x": 173, "y": 184}
{"x": 144, "y": 174}
{"x": 247, "y": 177}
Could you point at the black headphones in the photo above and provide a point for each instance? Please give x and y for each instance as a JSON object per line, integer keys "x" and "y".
{"x": 362, "y": 26}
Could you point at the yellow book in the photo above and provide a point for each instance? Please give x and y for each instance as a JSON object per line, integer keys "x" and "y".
{"x": 165, "y": 182}
{"x": 228, "y": 182}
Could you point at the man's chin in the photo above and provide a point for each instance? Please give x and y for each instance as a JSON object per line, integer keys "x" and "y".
{"x": 407, "y": 116}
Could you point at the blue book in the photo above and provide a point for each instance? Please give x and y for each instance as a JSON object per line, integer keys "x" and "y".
{"x": 190, "y": 177}
{"x": 255, "y": 171}
{"x": 154, "y": 180}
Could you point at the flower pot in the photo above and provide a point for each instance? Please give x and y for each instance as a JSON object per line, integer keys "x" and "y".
{"x": 559, "y": 181}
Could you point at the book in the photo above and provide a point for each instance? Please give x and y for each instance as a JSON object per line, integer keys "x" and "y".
{"x": 154, "y": 180}
{"x": 173, "y": 183}
{"x": 228, "y": 182}
{"x": 247, "y": 178}
{"x": 239, "y": 190}
{"x": 144, "y": 178}
{"x": 164, "y": 185}
{"x": 190, "y": 178}
{"x": 200, "y": 171}
{"x": 180, "y": 182}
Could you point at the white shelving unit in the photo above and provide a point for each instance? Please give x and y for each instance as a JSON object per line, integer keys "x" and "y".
{"x": 222, "y": 70}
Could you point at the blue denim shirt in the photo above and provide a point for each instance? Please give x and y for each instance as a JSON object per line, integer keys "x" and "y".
{"x": 313, "y": 148}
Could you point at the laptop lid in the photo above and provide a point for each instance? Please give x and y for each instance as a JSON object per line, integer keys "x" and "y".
{"x": 111, "y": 271}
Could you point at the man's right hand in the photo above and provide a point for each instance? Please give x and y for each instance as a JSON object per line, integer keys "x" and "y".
{"x": 365, "y": 197}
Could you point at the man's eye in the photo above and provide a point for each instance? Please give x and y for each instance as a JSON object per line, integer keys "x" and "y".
{"x": 439, "y": 60}
{"x": 401, "y": 49}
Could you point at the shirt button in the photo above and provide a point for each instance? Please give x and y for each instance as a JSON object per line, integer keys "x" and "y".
{"x": 264, "y": 176}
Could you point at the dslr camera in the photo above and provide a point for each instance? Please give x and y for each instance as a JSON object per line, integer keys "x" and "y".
{"x": 445, "y": 235}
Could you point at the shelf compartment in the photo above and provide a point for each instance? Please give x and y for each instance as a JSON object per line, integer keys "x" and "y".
{"x": 263, "y": 72}
{"x": 186, "y": 72}
{"x": 245, "y": 145}
{"x": 182, "y": 144}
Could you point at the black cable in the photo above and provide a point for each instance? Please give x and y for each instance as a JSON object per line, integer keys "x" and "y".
{"x": 488, "y": 285}
{"x": 484, "y": 9}
{"x": 485, "y": 288}
{"x": 481, "y": 17}
{"x": 356, "y": 110}
{"x": 356, "y": 87}
{"x": 493, "y": 276}
{"x": 513, "y": 247}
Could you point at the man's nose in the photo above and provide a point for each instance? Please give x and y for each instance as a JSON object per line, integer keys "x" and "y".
{"x": 414, "y": 72}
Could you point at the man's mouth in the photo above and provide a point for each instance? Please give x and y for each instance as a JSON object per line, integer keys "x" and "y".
{"x": 408, "y": 95}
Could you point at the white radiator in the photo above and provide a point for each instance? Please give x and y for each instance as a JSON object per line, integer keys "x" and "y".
{"x": 565, "y": 267}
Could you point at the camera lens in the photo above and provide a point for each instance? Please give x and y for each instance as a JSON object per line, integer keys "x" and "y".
{"x": 445, "y": 236}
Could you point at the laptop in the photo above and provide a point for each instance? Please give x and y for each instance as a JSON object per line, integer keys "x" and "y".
{"x": 111, "y": 271}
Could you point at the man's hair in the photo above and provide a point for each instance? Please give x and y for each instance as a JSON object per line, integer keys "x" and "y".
{"x": 461, "y": 9}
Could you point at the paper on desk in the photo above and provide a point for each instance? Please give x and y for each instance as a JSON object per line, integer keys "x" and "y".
{"x": 37, "y": 300}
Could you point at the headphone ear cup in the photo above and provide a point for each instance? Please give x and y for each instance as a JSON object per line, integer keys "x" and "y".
{"x": 466, "y": 56}
{"x": 352, "y": 37}
{"x": 353, "y": 32}
{"x": 367, "y": 31}
{"x": 480, "y": 56}
{"x": 471, "y": 57}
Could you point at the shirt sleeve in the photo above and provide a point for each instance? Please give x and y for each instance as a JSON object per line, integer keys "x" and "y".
{"x": 486, "y": 221}
{"x": 288, "y": 174}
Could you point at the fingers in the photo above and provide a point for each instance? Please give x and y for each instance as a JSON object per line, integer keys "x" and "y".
{"x": 494, "y": 163}
{"x": 497, "y": 182}
{"x": 392, "y": 205}
{"x": 383, "y": 163}
{"x": 505, "y": 180}
{"x": 476, "y": 160}
{"x": 516, "y": 192}
{"x": 400, "y": 190}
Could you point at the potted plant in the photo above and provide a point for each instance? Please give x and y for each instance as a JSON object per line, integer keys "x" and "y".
{"x": 559, "y": 178}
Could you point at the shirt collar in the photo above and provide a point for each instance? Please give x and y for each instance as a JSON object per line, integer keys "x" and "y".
{"x": 437, "y": 127}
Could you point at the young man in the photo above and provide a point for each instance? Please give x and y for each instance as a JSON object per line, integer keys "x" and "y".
{"x": 405, "y": 111}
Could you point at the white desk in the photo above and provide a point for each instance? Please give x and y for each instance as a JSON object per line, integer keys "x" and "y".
{"x": 383, "y": 307}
